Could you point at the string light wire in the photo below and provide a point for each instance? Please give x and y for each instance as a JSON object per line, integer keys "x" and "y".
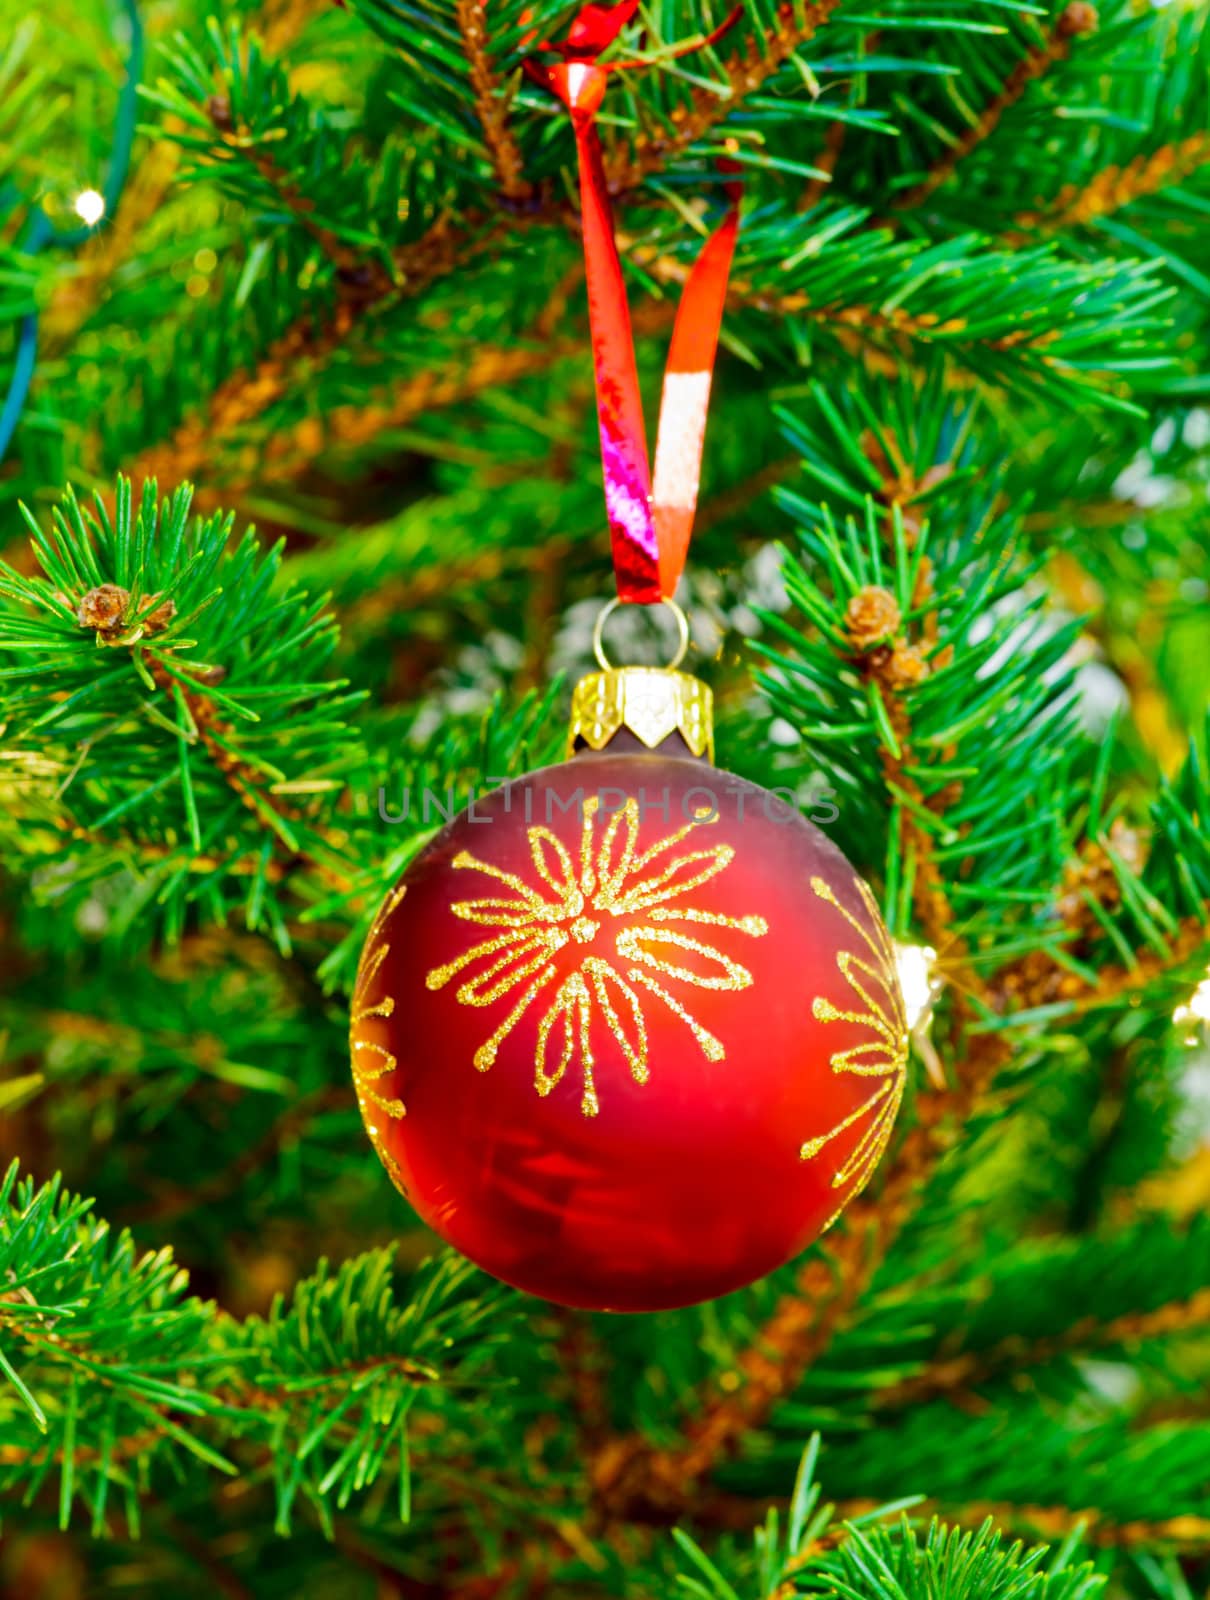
{"x": 41, "y": 232}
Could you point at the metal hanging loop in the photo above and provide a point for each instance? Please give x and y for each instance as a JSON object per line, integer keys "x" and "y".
{"x": 607, "y": 611}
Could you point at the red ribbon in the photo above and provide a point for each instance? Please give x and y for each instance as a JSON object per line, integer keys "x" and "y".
{"x": 650, "y": 520}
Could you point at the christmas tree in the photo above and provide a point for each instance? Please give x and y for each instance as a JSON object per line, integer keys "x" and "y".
{"x": 302, "y": 514}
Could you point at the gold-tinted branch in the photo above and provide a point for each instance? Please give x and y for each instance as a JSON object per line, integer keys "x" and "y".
{"x": 354, "y": 427}
{"x": 245, "y": 395}
{"x": 861, "y": 323}
{"x": 1038, "y": 979}
{"x": 1114, "y": 187}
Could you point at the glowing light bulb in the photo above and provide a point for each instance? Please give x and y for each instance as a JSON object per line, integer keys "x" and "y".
{"x": 1197, "y": 1007}
{"x": 921, "y": 984}
{"x": 918, "y": 980}
{"x": 90, "y": 207}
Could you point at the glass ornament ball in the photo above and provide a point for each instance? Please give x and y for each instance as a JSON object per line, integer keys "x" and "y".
{"x": 628, "y": 1033}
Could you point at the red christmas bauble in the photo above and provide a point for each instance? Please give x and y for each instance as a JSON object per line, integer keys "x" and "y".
{"x": 628, "y": 1033}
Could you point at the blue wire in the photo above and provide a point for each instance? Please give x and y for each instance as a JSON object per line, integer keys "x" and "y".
{"x": 23, "y": 372}
{"x": 41, "y": 232}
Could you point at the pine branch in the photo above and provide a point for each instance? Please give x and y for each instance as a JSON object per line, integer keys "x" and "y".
{"x": 238, "y": 143}
{"x": 1077, "y": 19}
{"x": 308, "y": 342}
{"x": 366, "y": 287}
{"x": 437, "y": 387}
{"x": 1010, "y": 319}
{"x": 181, "y": 743}
{"x": 744, "y": 73}
{"x": 854, "y": 1548}
{"x": 106, "y": 1361}
{"x": 220, "y": 741}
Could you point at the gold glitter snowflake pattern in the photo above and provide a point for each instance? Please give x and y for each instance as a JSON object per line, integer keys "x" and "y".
{"x": 882, "y": 1054}
{"x": 372, "y": 1061}
{"x": 574, "y": 903}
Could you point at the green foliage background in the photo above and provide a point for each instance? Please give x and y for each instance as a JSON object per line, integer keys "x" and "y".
{"x": 965, "y": 365}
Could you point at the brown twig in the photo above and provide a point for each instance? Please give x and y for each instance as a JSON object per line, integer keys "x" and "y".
{"x": 891, "y": 663}
{"x": 825, "y": 162}
{"x": 1078, "y": 18}
{"x": 502, "y": 147}
{"x": 355, "y": 427}
{"x": 214, "y": 735}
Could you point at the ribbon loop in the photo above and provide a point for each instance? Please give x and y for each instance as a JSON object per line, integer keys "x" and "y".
{"x": 650, "y": 521}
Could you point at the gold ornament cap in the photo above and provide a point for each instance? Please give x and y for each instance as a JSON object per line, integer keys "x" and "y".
{"x": 652, "y": 702}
